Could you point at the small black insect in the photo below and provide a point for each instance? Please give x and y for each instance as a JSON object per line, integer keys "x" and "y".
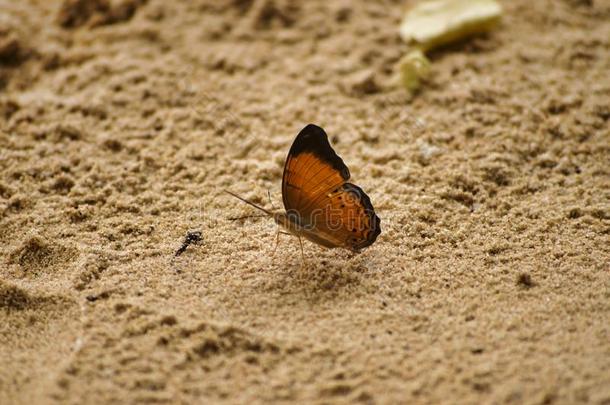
{"x": 192, "y": 237}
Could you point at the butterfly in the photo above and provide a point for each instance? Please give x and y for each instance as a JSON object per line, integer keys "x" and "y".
{"x": 320, "y": 205}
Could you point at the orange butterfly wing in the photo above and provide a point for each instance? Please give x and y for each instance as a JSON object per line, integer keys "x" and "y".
{"x": 317, "y": 196}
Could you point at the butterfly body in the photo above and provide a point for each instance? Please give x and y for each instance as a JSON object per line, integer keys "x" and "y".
{"x": 320, "y": 204}
{"x": 292, "y": 225}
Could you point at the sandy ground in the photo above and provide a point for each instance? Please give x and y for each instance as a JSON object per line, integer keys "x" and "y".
{"x": 121, "y": 123}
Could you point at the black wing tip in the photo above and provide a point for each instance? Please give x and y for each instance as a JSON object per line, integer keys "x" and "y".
{"x": 313, "y": 128}
{"x": 312, "y": 133}
{"x": 313, "y": 138}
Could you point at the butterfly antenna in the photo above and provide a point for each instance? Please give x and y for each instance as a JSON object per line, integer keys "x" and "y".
{"x": 246, "y": 217}
{"x": 250, "y": 203}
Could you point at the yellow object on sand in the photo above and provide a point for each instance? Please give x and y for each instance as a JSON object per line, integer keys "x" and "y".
{"x": 412, "y": 69}
{"x": 437, "y": 22}
{"x": 433, "y": 23}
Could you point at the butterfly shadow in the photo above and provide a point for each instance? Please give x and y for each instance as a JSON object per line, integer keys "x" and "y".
{"x": 320, "y": 278}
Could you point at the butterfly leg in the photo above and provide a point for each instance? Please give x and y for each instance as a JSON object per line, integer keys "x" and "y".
{"x": 270, "y": 201}
{"x": 277, "y": 240}
{"x": 302, "y": 254}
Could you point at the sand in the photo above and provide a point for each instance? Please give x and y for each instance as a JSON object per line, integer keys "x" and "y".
{"x": 121, "y": 123}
